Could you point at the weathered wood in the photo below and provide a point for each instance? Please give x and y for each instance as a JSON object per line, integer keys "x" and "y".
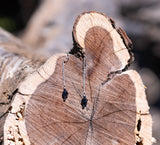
{"x": 16, "y": 62}
{"x": 42, "y": 28}
{"x": 117, "y": 111}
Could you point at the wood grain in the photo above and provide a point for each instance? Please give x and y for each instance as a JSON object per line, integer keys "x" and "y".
{"x": 109, "y": 116}
{"x": 117, "y": 107}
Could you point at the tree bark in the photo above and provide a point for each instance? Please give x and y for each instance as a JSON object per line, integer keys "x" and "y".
{"x": 16, "y": 62}
{"x": 116, "y": 112}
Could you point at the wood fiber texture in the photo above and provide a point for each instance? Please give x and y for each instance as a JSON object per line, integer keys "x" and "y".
{"x": 117, "y": 111}
{"x": 110, "y": 115}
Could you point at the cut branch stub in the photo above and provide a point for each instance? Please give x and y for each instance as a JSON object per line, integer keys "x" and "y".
{"x": 102, "y": 46}
{"x": 101, "y": 43}
{"x": 116, "y": 99}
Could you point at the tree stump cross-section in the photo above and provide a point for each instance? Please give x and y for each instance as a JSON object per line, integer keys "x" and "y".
{"x": 117, "y": 112}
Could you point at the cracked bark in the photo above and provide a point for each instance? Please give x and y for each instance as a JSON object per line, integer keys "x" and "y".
{"x": 117, "y": 111}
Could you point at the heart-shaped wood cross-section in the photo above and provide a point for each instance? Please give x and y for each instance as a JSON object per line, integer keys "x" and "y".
{"x": 113, "y": 115}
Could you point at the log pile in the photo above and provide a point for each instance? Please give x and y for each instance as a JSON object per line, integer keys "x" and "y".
{"x": 105, "y": 104}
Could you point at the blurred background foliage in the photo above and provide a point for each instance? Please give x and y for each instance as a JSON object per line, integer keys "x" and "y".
{"x": 8, "y": 24}
{"x": 14, "y": 14}
{"x": 140, "y": 19}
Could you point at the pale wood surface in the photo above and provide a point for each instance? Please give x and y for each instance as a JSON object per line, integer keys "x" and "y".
{"x": 117, "y": 112}
{"x": 16, "y": 62}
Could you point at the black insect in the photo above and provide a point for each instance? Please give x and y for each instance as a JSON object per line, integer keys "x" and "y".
{"x": 84, "y": 99}
{"x": 64, "y": 94}
{"x": 84, "y": 102}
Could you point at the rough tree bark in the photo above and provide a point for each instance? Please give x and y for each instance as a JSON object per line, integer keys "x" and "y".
{"x": 16, "y": 62}
{"x": 117, "y": 111}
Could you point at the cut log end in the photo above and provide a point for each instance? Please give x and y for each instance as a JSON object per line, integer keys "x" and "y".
{"x": 117, "y": 111}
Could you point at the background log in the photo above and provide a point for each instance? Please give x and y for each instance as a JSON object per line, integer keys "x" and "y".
{"x": 16, "y": 62}
{"x": 117, "y": 111}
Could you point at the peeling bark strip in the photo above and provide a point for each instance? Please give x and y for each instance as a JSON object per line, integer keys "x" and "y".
{"x": 117, "y": 112}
